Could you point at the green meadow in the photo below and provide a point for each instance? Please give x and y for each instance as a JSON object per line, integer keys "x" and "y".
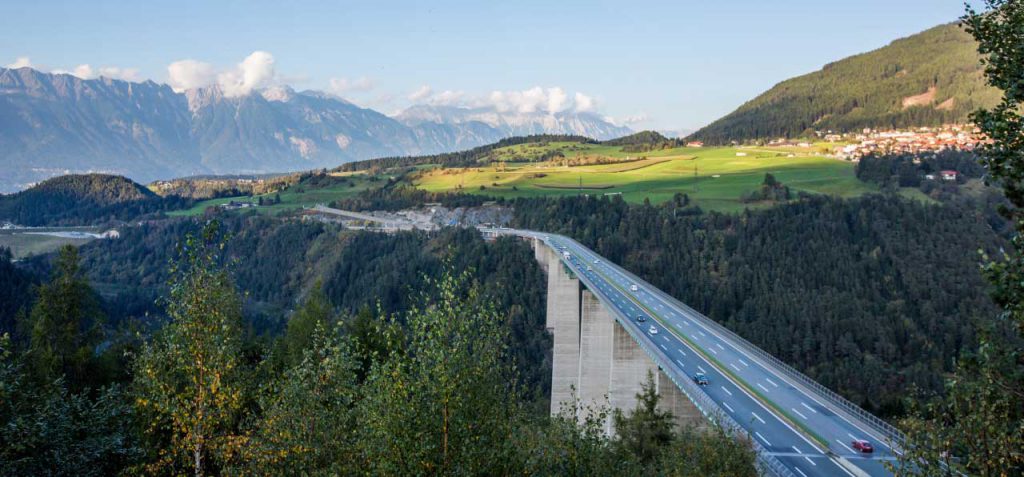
{"x": 714, "y": 178}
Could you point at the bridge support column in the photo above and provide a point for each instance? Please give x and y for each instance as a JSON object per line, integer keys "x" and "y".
{"x": 630, "y": 365}
{"x": 597, "y": 329}
{"x": 674, "y": 401}
{"x": 563, "y": 320}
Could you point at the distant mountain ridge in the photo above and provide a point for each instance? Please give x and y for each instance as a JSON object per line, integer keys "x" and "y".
{"x": 931, "y": 78}
{"x": 52, "y": 124}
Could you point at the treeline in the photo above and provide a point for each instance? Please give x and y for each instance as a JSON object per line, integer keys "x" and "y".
{"x": 397, "y": 197}
{"x": 644, "y": 141}
{"x": 909, "y": 170}
{"x": 872, "y": 297}
{"x": 430, "y": 390}
{"x": 466, "y": 158}
{"x": 84, "y": 199}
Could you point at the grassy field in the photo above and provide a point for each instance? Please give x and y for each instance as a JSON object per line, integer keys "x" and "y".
{"x": 293, "y": 197}
{"x": 24, "y": 245}
{"x": 721, "y": 176}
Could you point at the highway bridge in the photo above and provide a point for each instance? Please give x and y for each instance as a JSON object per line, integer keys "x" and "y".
{"x": 610, "y": 327}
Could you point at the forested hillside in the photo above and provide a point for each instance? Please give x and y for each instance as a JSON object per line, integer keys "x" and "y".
{"x": 927, "y": 79}
{"x": 870, "y": 297}
{"x": 83, "y": 199}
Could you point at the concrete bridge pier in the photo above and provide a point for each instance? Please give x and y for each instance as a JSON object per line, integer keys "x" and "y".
{"x": 595, "y": 355}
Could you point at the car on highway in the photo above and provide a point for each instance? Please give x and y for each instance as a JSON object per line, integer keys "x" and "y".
{"x": 589, "y": 268}
{"x": 701, "y": 379}
{"x": 633, "y": 288}
{"x": 641, "y": 318}
{"x": 597, "y": 260}
{"x": 652, "y": 330}
{"x": 861, "y": 445}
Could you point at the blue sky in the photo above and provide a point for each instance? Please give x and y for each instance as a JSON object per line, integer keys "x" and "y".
{"x": 675, "y": 64}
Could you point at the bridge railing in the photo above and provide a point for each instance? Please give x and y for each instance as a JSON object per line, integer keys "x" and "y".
{"x": 887, "y": 430}
{"x": 768, "y": 464}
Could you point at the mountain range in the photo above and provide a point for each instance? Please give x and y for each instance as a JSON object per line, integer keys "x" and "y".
{"x": 928, "y": 79}
{"x": 52, "y": 124}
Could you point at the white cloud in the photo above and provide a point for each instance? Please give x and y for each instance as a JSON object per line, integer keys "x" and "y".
{"x": 126, "y": 74}
{"x": 341, "y": 86}
{"x": 448, "y": 98}
{"x": 584, "y": 103}
{"x": 255, "y": 71}
{"x": 421, "y": 93}
{"x": 190, "y": 74}
{"x": 21, "y": 62}
{"x": 627, "y": 120}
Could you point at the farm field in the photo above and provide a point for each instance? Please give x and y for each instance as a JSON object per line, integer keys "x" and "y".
{"x": 23, "y": 244}
{"x": 721, "y": 176}
{"x": 293, "y": 197}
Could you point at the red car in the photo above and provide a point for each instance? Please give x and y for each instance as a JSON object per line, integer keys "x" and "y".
{"x": 863, "y": 446}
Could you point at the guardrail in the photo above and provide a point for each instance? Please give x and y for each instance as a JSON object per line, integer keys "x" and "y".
{"x": 768, "y": 464}
{"x": 888, "y": 430}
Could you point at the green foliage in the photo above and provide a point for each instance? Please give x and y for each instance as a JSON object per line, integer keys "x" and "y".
{"x": 647, "y": 430}
{"x": 83, "y": 199}
{"x": 395, "y": 197}
{"x": 46, "y": 430}
{"x": 978, "y": 428}
{"x": 64, "y": 327}
{"x": 315, "y": 314}
{"x": 868, "y": 297}
{"x": 446, "y": 404}
{"x": 307, "y": 424}
{"x": 868, "y": 90}
{"x": 190, "y": 382}
{"x": 15, "y": 292}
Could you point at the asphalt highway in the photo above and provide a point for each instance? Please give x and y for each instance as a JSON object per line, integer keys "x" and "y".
{"x": 806, "y": 432}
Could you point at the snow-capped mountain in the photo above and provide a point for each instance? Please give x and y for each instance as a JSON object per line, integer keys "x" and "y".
{"x": 52, "y": 124}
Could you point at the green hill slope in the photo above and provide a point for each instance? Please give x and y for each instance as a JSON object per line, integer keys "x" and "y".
{"x": 930, "y": 78}
{"x": 82, "y": 199}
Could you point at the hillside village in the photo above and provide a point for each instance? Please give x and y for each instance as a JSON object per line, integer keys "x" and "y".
{"x": 854, "y": 146}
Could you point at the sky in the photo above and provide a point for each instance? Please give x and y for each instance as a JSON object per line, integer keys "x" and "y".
{"x": 649, "y": 65}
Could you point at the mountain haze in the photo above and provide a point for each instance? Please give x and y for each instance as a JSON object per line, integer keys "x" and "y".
{"x": 56, "y": 124}
{"x": 931, "y": 78}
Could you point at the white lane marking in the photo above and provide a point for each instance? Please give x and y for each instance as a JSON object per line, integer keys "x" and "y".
{"x": 665, "y": 338}
{"x": 812, "y": 462}
{"x": 800, "y": 471}
{"x": 798, "y": 413}
{"x": 687, "y": 323}
{"x": 680, "y": 363}
{"x": 727, "y": 406}
{"x": 680, "y": 350}
{"x": 846, "y": 446}
{"x": 720, "y": 346}
{"x": 713, "y": 351}
{"x": 737, "y": 368}
{"x": 702, "y": 334}
{"x": 809, "y": 408}
{"x": 762, "y": 438}
{"x": 762, "y": 387}
{"x": 693, "y": 336}
{"x": 757, "y": 417}
{"x": 663, "y": 347}
{"x": 726, "y": 390}
{"x": 701, "y": 369}
{"x": 744, "y": 363}
{"x": 797, "y": 449}
{"x": 852, "y": 437}
{"x": 771, "y": 382}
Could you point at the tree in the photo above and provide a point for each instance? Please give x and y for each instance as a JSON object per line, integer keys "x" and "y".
{"x": 978, "y": 428}
{"x": 64, "y": 325}
{"x": 316, "y": 312}
{"x": 308, "y": 421}
{"x": 647, "y": 429}
{"x": 189, "y": 381}
{"x": 448, "y": 403}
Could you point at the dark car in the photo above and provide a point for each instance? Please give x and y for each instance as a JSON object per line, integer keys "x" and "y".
{"x": 641, "y": 318}
{"x": 700, "y": 379}
{"x": 863, "y": 446}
